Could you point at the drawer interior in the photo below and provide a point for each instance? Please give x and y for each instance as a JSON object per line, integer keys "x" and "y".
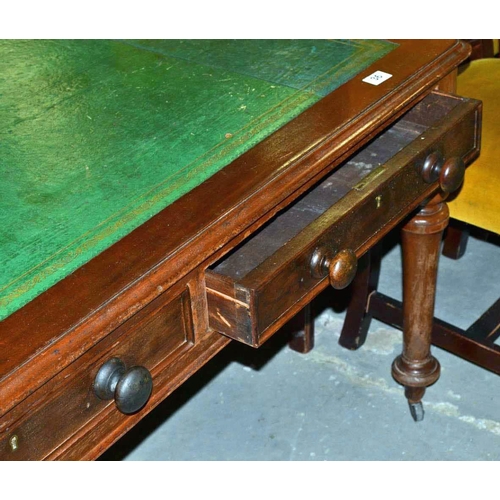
{"x": 290, "y": 222}
{"x": 263, "y": 282}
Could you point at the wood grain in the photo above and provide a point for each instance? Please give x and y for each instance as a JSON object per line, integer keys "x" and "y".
{"x": 56, "y": 330}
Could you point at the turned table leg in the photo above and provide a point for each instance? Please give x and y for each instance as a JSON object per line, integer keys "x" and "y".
{"x": 416, "y": 368}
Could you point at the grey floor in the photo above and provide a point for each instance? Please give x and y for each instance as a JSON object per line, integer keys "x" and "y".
{"x": 334, "y": 404}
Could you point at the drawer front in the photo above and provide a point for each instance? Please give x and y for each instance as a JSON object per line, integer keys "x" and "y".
{"x": 153, "y": 338}
{"x": 253, "y": 307}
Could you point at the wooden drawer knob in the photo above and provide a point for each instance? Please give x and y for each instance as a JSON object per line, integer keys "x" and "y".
{"x": 130, "y": 388}
{"x": 450, "y": 173}
{"x": 341, "y": 267}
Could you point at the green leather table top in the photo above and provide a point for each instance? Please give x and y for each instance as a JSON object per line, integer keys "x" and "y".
{"x": 98, "y": 136}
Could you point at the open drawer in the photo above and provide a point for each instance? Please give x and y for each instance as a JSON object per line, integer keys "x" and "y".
{"x": 270, "y": 276}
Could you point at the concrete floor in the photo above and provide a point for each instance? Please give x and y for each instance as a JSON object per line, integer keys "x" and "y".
{"x": 334, "y": 404}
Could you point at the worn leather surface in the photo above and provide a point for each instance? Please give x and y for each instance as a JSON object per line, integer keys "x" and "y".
{"x": 478, "y": 201}
{"x": 98, "y": 136}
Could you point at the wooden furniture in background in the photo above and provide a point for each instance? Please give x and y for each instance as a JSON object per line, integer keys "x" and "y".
{"x": 478, "y": 206}
{"x": 481, "y": 49}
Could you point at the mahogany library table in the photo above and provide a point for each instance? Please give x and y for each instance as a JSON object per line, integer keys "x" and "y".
{"x": 159, "y": 198}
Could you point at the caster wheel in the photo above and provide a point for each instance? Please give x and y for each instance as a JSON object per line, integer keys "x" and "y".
{"x": 417, "y": 411}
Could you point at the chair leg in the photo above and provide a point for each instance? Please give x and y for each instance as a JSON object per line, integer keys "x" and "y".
{"x": 357, "y": 319}
{"x": 455, "y": 240}
{"x": 301, "y": 329}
